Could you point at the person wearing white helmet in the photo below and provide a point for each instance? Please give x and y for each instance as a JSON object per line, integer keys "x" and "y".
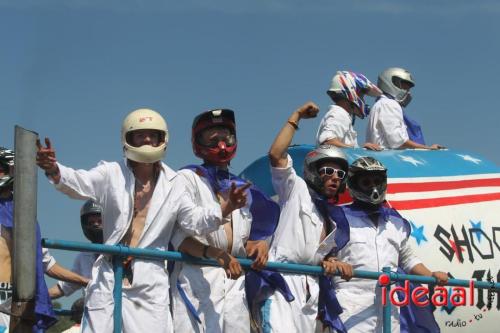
{"x": 378, "y": 237}
{"x": 306, "y": 232}
{"x": 388, "y": 126}
{"x": 213, "y": 299}
{"x": 142, "y": 199}
{"x": 347, "y": 91}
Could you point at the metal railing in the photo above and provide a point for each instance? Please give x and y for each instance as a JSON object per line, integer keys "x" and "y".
{"x": 118, "y": 252}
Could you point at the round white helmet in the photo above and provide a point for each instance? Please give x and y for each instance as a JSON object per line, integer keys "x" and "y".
{"x": 389, "y": 81}
{"x": 144, "y": 119}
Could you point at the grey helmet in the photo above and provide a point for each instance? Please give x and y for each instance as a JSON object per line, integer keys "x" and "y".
{"x": 389, "y": 81}
{"x": 322, "y": 153}
{"x": 7, "y": 166}
{"x": 362, "y": 166}
{"x": 93, "y": 234}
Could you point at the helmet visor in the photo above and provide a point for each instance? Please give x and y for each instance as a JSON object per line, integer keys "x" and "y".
{"x": 211, "y": 137}
{"x": 142, "y": 137}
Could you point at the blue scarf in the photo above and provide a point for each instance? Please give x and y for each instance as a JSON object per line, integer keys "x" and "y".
{"x": 265, "y": 212}
{"x": 259, "y": 285}
{"x": 416, "y": 319}
{"x": 329, "y": 308}
{"x": 44, "y": 314}
{"x": 413, "y": 128}
{"x": 413, "y": 319}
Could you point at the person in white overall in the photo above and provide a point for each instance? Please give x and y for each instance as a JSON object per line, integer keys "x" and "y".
{"x": 212, "y": 299}
{"x": 378, "y": 238}
{"x": 91, "y": 222}
{"x": 387, "y": 126}
{"x": 304, "y": 234}
{"x": 142, "y": 200}
{"x": 347, "y": 91}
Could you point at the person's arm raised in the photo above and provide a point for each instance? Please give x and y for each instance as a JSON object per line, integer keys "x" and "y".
{"x": 277, "y": 152}
{"x": 46, "y": 160}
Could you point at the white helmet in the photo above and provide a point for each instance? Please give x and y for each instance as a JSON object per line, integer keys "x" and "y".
{"x": 318, "y": 155}
{"x": 144, "y": 119}
{"x": 352, "y": 86}
{"x": 390, "y": 83}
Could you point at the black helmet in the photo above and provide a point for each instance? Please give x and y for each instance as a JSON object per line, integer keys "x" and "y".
{"x": 363, "y": 166}
{"x": 7, "y": 165}
{"x": 93, "y": 233}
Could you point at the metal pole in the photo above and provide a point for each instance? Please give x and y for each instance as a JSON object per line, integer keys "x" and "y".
{"x": 117, "y": 294}
{"x": 24, "y": 231}
{"x": 387, "y": 307}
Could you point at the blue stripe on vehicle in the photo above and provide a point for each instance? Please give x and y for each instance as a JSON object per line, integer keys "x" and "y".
{"x": 399, "y": 163}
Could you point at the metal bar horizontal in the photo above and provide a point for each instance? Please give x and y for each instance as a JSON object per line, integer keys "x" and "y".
{"x": 61, "y": 312}
{"x": 122, "y": 250}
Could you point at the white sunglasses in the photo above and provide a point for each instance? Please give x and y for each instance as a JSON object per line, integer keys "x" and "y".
{"x": 329, "y": 171}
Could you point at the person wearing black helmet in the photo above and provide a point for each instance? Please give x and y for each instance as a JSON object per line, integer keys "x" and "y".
{"x": 91, "y": 222}
{"x": 378, "y": 237}
{"x": 219, "y": 295}
{"x": 306, "y": 233}
{"x": 45, "y": 263}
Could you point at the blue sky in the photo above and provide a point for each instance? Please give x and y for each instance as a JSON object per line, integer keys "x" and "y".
{"x": 72, "y": 70}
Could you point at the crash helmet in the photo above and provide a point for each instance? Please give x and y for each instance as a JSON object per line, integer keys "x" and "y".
{"x": 220, "y": 150}
{"x": 314, "y": 158}
{"x": 139, "y": 120}
{"x": 353, "y": 86}
{"x": 7, "y": 166}
{"x": 91, "y": 231}
{"x": 375, "y": 192}
{"x": 389, "y": 81}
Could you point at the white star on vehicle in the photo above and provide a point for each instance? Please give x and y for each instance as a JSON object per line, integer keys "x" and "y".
{"x": 411, "y": 160}
{"x": 470, "y": 159}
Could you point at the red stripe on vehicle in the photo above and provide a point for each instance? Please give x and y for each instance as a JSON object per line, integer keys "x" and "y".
{"x": 445, "y": 201}
{"x": 441, "y": 186}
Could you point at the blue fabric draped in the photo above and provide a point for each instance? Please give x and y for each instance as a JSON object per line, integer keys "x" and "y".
{"x": 413, "y": 319}
{"x": 361, "y": 209}
{"x": 44, "y": 314}
{"x": 414, "y": 130}
{"x": 265, "y": 212}
{"x": 259, "y": 285}
{"x": 329, "y": 308}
